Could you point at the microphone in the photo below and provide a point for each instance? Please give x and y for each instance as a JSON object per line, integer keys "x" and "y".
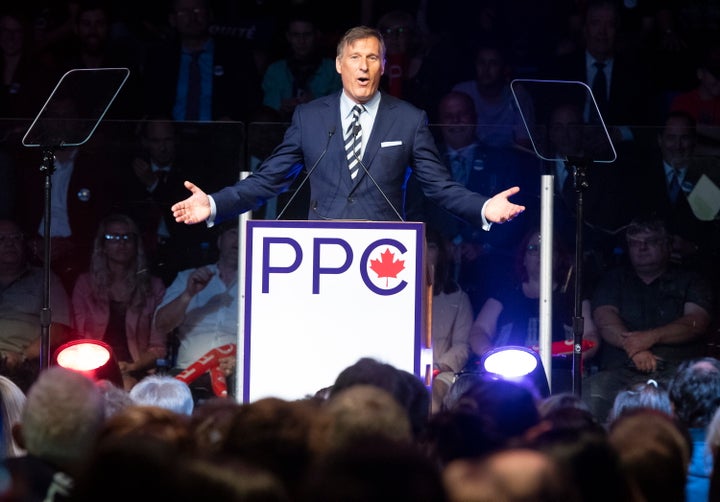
{"x": 331, "y": 132}
{"x": 362, "y": 164}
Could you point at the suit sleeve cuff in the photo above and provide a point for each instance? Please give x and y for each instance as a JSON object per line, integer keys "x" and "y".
{"x": 213, "y": 212}
{"x": 485, "y": 223}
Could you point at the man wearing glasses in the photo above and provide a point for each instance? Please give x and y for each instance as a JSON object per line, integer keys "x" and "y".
{"x": 651, "y": 317}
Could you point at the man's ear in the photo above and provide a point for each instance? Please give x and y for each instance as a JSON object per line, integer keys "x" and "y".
{"x": 17, "y": 435}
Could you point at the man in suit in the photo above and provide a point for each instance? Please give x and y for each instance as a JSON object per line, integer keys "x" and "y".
{"x": 621, "y": 92}
{"x": 358, "y": 160}
{"x": 667, "y": 180}
{"x": 198, "y": 76}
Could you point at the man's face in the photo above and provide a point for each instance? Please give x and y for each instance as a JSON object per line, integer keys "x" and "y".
{"x": 649, "y": 251}
{"x": 11, "y": 36}
{"x": 228, "y": 243}
{"x": 301, "y": 37}
{"x": 564, "y": 131}
{"x": 489, "y": 68}
{"x": 12, "y": 245}
{"x": 190, "y": 18}
{"x": 361, "y": 65}
{"x": 457, "y": 117}
{"x": 92, "y": 29}
{"x": 159, "y": 141}
{"x": 677, "y": 142}
{"x": 599, "y": 31}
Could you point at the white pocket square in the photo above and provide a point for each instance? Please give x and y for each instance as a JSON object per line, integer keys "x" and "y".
{"x": 386, "y": 144}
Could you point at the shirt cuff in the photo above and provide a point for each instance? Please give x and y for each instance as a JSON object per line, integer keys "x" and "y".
{"x": 210, "y": 222}
{"x": 485, "y": 223}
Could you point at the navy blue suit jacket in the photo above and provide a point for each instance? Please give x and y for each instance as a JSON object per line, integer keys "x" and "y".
{"x": 400, "y": 139}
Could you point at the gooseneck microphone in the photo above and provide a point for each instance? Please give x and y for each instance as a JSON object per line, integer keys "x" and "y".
{"x": 331, "y": 132}
{"x": 367, "y": 171}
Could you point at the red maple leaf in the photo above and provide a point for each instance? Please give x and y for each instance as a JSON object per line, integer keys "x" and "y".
{"x": 387, "y": 266}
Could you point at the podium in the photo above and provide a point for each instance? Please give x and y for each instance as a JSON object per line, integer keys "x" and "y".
{"x": 319, "y": 295}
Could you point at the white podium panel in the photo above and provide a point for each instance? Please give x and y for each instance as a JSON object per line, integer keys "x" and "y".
{"x": 319, "y": 295}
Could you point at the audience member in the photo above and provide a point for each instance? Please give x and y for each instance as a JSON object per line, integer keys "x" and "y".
{"x": 304, "y": 74}
{"x": 649, "y": 395}
{"x": 482, "y": 169}
{"x": 651, "y": 317}
{"x": 12, "y": 402}
{"x": 406, "y": 70}
{"x": 703, "y": 101}
{"x": 200, "y": 310}
{"x": 499, "y": 121}
{"x": 510, "y": 316}
{"x": 84, "y": 190}
{"x": 91, "y": 46}
{"x": 360, "y": 412}
{"x": 163, "y": 391}
{"x": 115, "y": 398}
{"x": 616, "y": 79}
{"x": 667, "y": 179}
{"x": 116, "y": 298}
{"x": 695, "y": 395}
{"x": 375, "y": 469}
{"x": 197, "y": 76}
{"x": 654, "y": 454}
{"x": 157, "y": 176}
{"x": 511, "y": 475}
{"x": 569, "y": 141}
{"x": 60, "y": 423}
{"x": 146, "y": 422}
{"x": 452, "y": 317}
{"x": 405, "y": 387}
{"x": 24, "y": 85}
{"x": 274, "y": 434}
{"x": 21, "y": 307}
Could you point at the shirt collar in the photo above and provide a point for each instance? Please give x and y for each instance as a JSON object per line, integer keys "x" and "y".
{"x": 347, "y": 104}
{"x": 669, "y": 172}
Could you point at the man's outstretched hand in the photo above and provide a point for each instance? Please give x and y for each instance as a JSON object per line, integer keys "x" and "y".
{"x": 499, "y": 209}
{"x": 194, "y": 209}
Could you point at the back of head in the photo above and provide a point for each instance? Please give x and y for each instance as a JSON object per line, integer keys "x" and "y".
{"x": 141, "y": 422}
{"x": 645, "y": 395}
{"x": 508, "y": 407}
{"x": 695, "y": 391}
{"x": 405, "y": 387}
{"x": 165, "y": 392}
{"x": 273, "y": 434}
{"x": 12, "y": 401}
{"x": 62, "y": 417}
{"x": 361, "y": 411}
{"x": 375, "y": 470}
{"x": 654, "y": 453}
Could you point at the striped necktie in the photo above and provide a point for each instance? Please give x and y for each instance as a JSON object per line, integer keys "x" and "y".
{"x": 353, "y": 141}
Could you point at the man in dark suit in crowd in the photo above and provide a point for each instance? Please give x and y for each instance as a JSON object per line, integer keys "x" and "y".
{"x": 198, "y": 76}
{"x": 359, "y": 145}
{"x": 621, "y": 92}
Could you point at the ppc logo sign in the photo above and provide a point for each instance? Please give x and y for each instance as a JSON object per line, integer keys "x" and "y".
{"x": 385, "y": 266}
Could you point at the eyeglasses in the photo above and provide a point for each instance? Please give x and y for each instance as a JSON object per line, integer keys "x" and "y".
{"x": 11, "y": 238}
{"x": 119, "y": 237}
{"x": 634, "y": 242}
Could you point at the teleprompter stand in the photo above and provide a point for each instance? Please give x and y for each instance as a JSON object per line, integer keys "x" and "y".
{"x": 68, "y": 118}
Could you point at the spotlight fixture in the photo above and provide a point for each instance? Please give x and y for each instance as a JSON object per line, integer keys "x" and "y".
{"x": 93, "y": 358}
{"x": 516, "y": 363}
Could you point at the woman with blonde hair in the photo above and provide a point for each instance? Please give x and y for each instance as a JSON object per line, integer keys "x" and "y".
{"x": 115, "y": 300}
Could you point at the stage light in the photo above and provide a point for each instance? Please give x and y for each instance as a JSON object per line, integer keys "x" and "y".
{"x": 93, "y": 358}
{"x": 516, "y": 363}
